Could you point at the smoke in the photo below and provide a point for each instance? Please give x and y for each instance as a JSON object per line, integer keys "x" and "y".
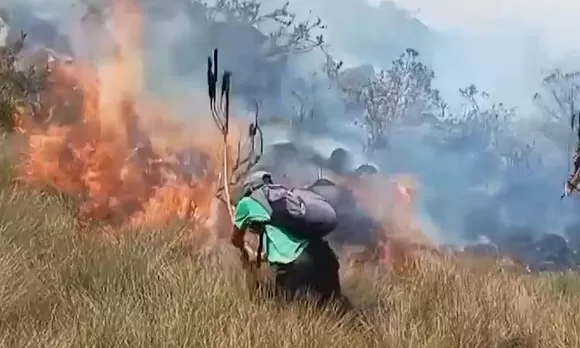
{"x": 502, "y": 47}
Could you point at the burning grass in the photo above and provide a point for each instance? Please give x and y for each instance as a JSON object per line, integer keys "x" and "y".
{"x": 61, "y": 288}
{"x": 108, "y": 156}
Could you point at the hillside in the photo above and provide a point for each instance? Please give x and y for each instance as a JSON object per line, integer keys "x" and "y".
{"x": 64, "y": 288}
{"x": 104, "y": 238}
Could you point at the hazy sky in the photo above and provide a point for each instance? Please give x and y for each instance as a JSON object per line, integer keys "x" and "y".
{"x": 555, "y": 21}
{"x": 503, "y": 45}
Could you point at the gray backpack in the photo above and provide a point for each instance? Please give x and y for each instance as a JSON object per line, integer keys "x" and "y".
{"x": 303, "y": 212}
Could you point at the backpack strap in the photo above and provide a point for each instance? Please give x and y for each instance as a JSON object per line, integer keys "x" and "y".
{"x": 261, "y": 237}
{"x": 260, "y": 194}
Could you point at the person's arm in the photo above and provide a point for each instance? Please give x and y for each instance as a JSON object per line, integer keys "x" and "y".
{"x": 241, "y": 221}
{"x": 237, "y": 238}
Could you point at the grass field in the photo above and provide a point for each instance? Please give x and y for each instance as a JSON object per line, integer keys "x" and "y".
{"x": 63, "y": 288}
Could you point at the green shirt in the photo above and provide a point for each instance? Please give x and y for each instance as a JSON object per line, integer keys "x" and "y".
{"x": 280, "y": 246}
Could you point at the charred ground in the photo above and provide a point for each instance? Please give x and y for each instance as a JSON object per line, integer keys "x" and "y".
{"x": 153, "y": 288}
{"x": 66, "y": 285}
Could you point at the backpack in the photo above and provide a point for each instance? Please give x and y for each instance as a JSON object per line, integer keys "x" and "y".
{"x": 301, "y": 211}
{"x": 332, "y": 193}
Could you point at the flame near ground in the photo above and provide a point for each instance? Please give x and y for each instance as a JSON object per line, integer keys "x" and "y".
{"x": 121, "y": 154}
{"x": 131, "y": 162}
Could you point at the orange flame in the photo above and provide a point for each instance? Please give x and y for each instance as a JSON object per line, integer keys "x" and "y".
{"x": 94, "y": 137}
{"x": 392, "y": 201}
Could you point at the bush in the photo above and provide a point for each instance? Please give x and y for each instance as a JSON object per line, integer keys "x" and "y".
{"x": 18, "y": 87}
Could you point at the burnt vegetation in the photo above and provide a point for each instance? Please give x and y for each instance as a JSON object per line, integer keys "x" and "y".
{"x": 147, "y": 288}
{"x": 20, "y": 86}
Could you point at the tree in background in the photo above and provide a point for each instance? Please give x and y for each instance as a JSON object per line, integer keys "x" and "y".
{"x": 559, "y": 102}
{"x": 560, "y": 95}
{"x": 287, "y": 35}
{"x": 487, "y": 126}
{"x": 305, "y": 97}
{"x": 481, "y": 118}
{"x": 256, "y": 41}
{"x": 18, "y": 87}
{"x": 390, "y": 96}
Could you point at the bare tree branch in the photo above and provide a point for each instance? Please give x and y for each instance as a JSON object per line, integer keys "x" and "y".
{"x": 220, "y": 110}
{"x": 387, "y": 98}
{"x": 18, "y": 88}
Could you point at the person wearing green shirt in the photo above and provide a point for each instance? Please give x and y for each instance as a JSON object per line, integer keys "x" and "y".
{"x": 300, "y": 266}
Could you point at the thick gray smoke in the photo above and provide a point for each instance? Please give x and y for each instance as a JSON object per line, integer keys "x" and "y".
{"x": 467, "y": 188}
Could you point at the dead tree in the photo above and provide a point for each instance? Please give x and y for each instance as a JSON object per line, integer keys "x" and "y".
{"x": 558, "y": 101}
{"x": 220, "y": 110}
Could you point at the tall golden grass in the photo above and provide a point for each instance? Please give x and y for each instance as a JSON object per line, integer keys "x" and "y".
{"x": 62, "y": 288}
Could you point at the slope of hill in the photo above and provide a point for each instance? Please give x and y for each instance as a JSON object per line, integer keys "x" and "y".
{"x": 66, "y": 284}
{"x": 60, "y": 287}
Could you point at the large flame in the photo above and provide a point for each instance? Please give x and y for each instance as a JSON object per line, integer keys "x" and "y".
{"x": 94, "y": 136}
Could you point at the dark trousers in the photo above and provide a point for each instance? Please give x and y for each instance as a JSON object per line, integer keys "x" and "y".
{"x": 314, "y": 273}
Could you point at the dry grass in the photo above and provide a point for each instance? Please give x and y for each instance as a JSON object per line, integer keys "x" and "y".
{"x": 59, "y": 288}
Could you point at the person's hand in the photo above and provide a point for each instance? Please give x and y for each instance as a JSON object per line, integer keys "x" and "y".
{"x": 245, "y": 256}
{"x": 238, "y": 239}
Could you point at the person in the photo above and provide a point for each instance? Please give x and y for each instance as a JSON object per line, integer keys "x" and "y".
{"x": 300, "y": 266}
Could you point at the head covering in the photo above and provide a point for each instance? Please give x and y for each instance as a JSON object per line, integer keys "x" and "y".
{"x": 256, "y": 179}
{"x": 251, "y": 182}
